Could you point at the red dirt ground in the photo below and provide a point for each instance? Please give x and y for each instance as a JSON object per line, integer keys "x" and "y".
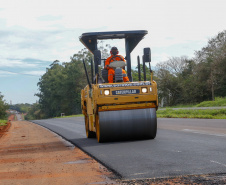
{"x": 30, "y": 154}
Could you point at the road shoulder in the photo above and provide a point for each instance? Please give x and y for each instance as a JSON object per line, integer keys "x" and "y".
{"x": 30, "y": 154}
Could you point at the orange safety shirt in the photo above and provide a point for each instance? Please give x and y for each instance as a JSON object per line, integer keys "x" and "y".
{"x": 109, "y": 60}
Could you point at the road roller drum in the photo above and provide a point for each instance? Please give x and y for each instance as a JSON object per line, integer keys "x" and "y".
{"x": 127, "y": 124}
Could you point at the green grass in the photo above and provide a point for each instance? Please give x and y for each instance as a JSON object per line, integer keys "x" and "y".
{"x": 181, "y": 113}
{"x": 219, "y": 102}
{"x": 77, "y": 115}
{"x": 181, "y": 106}
{"x": 3, "y": 122}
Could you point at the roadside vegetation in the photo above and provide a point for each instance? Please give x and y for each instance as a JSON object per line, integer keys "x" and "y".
{"x": 192, "y": 113}
{"x": 21, "y": 107}
{"x": 3, "y": 107}
{"x": 169, "y": 112}
{"x": 217, "y": 103}
{"x": 181, "y": 81}
{"x": 3, "y": 122}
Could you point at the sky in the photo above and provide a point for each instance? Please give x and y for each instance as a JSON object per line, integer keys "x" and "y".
{"x": 34, "y": 33}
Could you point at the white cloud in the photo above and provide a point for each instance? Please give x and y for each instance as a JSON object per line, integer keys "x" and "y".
{"x": 15, "y": 63}
{"x": 35, "y": 73}
{"x": 6, "y": 73}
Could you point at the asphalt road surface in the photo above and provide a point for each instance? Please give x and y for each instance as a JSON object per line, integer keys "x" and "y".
{"x": 182, "y": 147}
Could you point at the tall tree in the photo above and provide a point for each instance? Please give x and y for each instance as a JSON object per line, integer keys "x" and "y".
{"x": 212, "y": 57}
{"x": 61, "y": 85}
{"x": 3, "y": 107}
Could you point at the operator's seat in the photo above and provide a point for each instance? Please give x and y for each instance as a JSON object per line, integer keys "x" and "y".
{"x": 117, "y": 66}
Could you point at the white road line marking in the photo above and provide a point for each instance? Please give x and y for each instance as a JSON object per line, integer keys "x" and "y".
{"x": 139, "y": 173}
{"x": 202, "y": 132}
{"x": 218, "y": 163}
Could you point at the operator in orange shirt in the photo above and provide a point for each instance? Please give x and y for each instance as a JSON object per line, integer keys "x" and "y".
{"x": 111, "y": 72}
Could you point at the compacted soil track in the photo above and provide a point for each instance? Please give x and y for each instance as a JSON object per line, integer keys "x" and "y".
{"x": 30, "y": 154}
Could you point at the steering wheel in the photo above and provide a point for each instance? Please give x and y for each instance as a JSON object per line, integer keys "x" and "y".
{"x": 115, "y": 57}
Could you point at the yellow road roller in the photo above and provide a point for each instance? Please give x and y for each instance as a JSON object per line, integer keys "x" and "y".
{"x": 119, "y": 110}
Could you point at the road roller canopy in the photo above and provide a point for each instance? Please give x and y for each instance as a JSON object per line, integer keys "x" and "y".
{"x": 132, "y": 38}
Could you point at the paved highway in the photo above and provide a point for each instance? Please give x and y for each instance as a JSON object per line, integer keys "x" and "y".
{"x": 182, "y": 147}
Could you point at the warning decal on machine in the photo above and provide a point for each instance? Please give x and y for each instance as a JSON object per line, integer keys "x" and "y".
{"x": 124, "y": 84}
{"x": 126, "y": 91}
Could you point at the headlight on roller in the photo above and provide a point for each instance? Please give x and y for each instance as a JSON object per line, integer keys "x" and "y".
{"x": 106, "y": 92}
{"x": 144, "y": 90}
{"x": 150, "y": 89}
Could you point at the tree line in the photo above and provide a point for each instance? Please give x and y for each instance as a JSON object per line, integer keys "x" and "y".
{"x": 185, "y": 81}
{"x": 181, "y": 80}
{"x": 61, "y": 85}
{"x": 21, "y": 107}
{"x": 3, "y": 107}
